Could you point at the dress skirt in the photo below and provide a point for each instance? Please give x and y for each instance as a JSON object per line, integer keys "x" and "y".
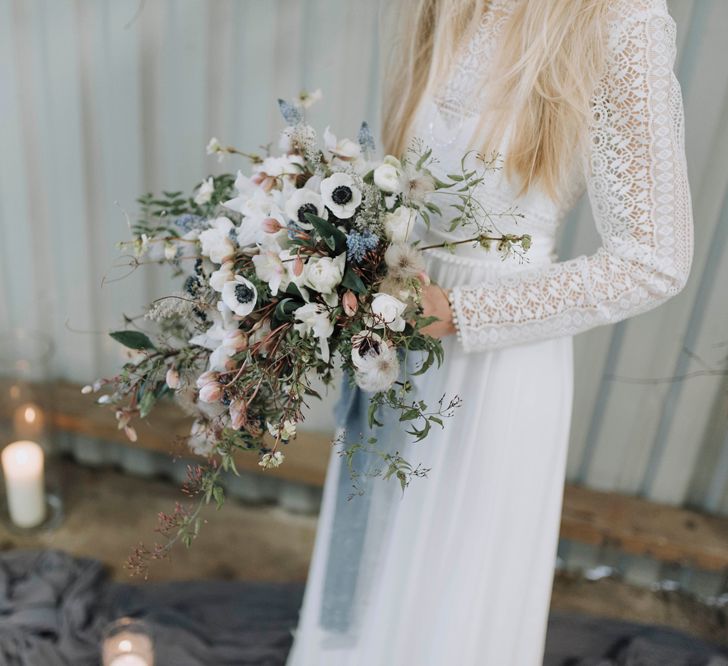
{"x": 458, "y": 567}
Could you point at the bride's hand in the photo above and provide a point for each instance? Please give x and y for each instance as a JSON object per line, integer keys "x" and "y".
{"x": 436, "y": 304}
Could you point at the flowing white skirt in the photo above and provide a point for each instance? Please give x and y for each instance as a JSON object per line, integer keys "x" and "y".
{"x": 457, "y": 569}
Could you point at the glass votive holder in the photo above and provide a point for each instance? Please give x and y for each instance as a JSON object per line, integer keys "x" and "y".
{"x": 127, "y": 642}
{"x": 32, "y": 498}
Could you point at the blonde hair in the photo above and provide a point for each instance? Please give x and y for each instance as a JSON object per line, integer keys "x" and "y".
{"x": 545, "y": 68}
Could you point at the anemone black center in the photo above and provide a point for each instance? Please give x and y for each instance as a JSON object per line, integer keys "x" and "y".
{"x": 341, "y": 195}
{"x": 243, "y": 293}
{"x": 369, "y": 346}
{"x": 306, "y": 208}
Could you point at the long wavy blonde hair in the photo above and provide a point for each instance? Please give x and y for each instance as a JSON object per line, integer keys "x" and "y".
{"x": 541, "y": 79}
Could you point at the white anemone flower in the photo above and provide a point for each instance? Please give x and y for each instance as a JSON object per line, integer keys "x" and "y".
{"x": 305, "y": 201}
{"x": 240, "y": 296}
{"x": 340, "y": 194}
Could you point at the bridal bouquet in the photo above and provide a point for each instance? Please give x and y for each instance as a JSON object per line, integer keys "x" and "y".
{"x": 306, "y": 262}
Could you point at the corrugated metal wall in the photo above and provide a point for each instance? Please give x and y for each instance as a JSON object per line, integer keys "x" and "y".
{"x": 103, "y": 99}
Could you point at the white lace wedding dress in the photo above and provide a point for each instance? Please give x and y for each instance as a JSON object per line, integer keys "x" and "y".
{"x": 458, "y": 568}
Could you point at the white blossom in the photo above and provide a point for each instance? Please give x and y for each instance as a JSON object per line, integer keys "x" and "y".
{"x": 344, "y": 149}
{"x": 387, "y": 312}
{"x": 324, "y": 274}
{"x": 270, "y": 460}
{"x": 304, "y": 201}
{"x": 399, "y": 225}
{"x": 205, "y": 191}
{"x": 240, "y": 296}
{"x": 388, "y": 175}
{"x": 216, "y": 242}
{"x": 341, "y": 195}
{"x": 313, "y": 318}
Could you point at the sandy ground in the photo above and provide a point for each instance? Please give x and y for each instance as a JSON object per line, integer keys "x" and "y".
{"x": 107, "y": 513}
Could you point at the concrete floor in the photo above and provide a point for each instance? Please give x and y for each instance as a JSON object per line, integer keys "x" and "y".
{"x": 107, "y": 513}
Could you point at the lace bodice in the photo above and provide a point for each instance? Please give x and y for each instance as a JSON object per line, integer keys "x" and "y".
{"x": 635, "y": 175}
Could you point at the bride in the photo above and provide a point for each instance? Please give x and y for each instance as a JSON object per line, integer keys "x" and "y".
{"x": 575, "y": 95}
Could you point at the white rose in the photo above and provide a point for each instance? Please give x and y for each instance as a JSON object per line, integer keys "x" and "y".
{"x": 387, "y": 311}
{"x": 399, "y": 225}
{"x": 325, "y": 274}
{"x": 216, "y": 242}
{"x": 205, "y": 191}
{"x": 387, "y": 178}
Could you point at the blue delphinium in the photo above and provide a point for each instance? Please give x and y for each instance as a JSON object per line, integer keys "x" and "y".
{"x": 188, "y": 222}
{"x": 359, "y": 243}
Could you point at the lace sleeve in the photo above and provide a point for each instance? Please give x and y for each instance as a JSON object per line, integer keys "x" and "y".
{"x": 637, "y": 183}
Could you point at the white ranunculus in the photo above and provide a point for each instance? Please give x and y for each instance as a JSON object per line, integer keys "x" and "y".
{"x": 399, "y": 225}
{"x": 387, "y": 178}
{"x": 305, "y": 201}
{"x": 222, "y": 275}
{"x": 341, "y": 195}
{"x": 205, "y": 191}
{"x": 344, "y": 149}
{"x": 270, "y": 269}
{"x": 313, "y": 318}
{"x": 324, "y": 274}
{"x": 240, "y": 296}
{"x": 216, "y": 242}
{"x": 387, "y": 311}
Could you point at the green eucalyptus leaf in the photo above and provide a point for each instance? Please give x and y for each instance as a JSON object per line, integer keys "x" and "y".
{"x": 132, "y": 339}
{"x": 352, "y": 281}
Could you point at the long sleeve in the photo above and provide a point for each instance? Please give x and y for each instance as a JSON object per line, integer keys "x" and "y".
{"x": 636, "y": 177}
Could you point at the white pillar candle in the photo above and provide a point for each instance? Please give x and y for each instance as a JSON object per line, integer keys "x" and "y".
{"x": 129, "y": 660}
{"x": 23, "y": 469}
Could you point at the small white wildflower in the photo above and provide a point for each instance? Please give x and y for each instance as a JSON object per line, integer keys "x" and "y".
{"x": 286, "y": 432}
{"x": 205, "y": 191}
{"x": 271, "y": 460}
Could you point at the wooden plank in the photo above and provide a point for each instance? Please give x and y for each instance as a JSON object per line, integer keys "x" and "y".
{"x": 601, "y": 519}
{"x": 640, "y": 527}
{"x": 73, "y": 412}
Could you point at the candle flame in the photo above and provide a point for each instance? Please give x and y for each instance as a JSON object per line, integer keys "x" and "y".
{"x": 30, "y": 414}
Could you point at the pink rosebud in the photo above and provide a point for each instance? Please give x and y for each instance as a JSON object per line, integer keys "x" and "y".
{"x": 231, "y": 364}
{"x": 257, "y": 178}
{"x": 130, "y": 433}
{"x": 172, "y": 378}
{"x": 349, "y": 303}
{"x": 298, "y": 267}
{"x": 424, "y": 278}
{"x": 238, "y": 413}
{"x": 207, "y": 377}
{"x": 235, "y": 341}
{"x": 211, "y": 392}
{"x": 271, "y": 225}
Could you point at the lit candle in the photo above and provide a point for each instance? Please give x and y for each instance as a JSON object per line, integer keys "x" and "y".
{"x": 23, "y": 469}
{"x": 28, "y": 420}
{"x": 128, "y": 647}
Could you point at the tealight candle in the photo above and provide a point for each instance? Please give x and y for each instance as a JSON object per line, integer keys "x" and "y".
{"x": 126, "y": 643}
{"x": 24, "y": 484}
